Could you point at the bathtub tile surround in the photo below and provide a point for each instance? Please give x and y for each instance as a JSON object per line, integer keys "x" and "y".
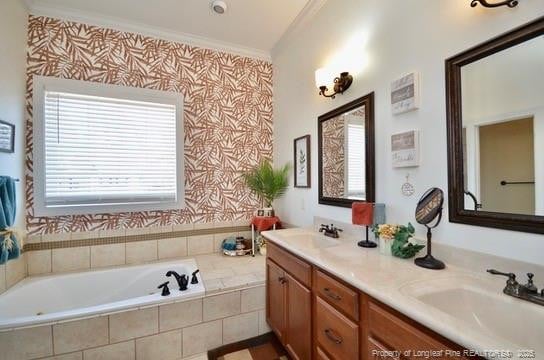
{"x": 133, "y": 324}
{"x": 26, "y": 343}
{"x": 244, "y": 120}
{"x": 140, "y": 330}
{"x": 185, "y": 328}
{"x": 39, "y": 262}
{"x": 141, "y": 252}
{"x": 180, "y": 315}
{"x": 120, "y": 351}
{"x": 161, "y": 346}
{"x": 71, "y": 259}
{"x": 82, "y": 334}
{"x": 172, "y": 248}
{"x": 202, "y": 337}
{"x": 106, "y": 255}
{"x": 221, "y": 306}
{"x": 45, "y": 254}
{"x": 240, "y": 327}
{"x": 15, "y": 271}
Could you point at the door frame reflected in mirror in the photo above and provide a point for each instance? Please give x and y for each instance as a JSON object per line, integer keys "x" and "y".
{"x": 368, "y": 102}
{"x": 456, "y": 183}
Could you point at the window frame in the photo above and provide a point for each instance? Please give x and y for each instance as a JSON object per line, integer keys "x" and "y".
{"x": 41, "y": 84}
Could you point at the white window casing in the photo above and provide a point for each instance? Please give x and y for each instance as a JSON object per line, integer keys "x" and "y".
{"x": 102, "y": 148}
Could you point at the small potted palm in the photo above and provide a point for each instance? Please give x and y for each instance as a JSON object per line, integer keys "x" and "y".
{"x": 267, "y": 183}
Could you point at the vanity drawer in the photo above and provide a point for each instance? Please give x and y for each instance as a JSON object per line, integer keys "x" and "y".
{"x": 320, "y": 355}
{"x": 335, "y": 333}
{"x": 393, "y": 331}
{"x": 337, "y": 294}
{"x": 377, "y": 351}
{"x": 301, "y": 270}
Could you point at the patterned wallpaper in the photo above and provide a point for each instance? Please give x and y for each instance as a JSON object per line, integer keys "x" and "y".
{"x": 333, "y": 157}
{"x": 228, "y": 115}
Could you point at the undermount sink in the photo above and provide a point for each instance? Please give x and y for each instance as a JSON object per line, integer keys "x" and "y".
{"x": 477, "y": 304}
{"x": 311, "y": 240}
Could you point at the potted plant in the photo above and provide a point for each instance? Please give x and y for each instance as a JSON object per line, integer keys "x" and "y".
{"x": 404, "y": 245}
{"x": 397, "y": 240}
{"x": 386, "y": 234}
{"x": 267, "y": 183}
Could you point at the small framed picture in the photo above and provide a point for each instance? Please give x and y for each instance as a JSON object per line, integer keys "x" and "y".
{"x": 301, "y": 150}
{"x": 7, "y": 137}
{"x": 405, "y": 149}
{"x": 405, "y": 93}
{"x": 260, "y": 212}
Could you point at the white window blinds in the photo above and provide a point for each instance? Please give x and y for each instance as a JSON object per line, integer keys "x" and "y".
{"x": 356, "y": 160}
{"x": 106, "y": 152}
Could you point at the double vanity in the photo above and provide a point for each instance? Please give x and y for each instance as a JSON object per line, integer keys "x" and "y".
{"x": 330, "y": 299}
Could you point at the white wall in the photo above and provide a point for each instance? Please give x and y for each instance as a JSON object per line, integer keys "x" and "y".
{"x": 13, "y": 23}
{"x": 385, "y": 39}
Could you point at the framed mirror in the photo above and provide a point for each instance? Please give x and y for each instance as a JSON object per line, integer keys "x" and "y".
{"x": 346, "y": 153}
{"x": 495, "y": 115}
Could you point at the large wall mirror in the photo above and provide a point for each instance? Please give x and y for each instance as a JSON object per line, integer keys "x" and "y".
{"x": 346, "y": 153}
{"x": 495, "y": 100}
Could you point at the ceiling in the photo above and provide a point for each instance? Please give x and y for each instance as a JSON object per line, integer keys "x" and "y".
{"x": 248, "y": 26}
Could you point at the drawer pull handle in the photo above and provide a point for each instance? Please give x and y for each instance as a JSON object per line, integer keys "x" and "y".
{"x": 337, "y": 339}
{"x": 332, "y": 295}
{"x": 282, "y": 280}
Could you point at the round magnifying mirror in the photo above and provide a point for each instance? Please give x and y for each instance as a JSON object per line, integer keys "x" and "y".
{"x": 428, "y": 209}
{"x": 429, "y": 206}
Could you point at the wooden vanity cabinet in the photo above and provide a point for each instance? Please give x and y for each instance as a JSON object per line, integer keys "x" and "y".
{"x": 317, "y": 316}
{"x": 395, "y": 336}
{"x": 289, "y": 301}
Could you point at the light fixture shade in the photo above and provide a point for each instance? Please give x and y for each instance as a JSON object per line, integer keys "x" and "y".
{"x": 322, "y": 77}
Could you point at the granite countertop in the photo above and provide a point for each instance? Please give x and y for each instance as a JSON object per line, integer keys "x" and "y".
{"x": 394, "y": 281}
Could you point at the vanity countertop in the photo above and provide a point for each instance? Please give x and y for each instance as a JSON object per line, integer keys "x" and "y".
{"x": 466, "y": 307}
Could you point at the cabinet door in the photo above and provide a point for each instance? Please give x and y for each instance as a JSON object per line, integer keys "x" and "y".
{"x": 299, "y": 323}
{"x": 275, "y": 309}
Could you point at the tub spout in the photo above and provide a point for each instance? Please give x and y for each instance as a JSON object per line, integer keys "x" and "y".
{"x": 182, "y": 280}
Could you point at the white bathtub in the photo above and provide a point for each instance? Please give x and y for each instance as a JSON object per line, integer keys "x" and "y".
{"x": 83, "y": 294}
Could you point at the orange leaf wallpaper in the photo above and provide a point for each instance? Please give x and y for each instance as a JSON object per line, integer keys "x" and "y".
{"x": 227, "y": 114}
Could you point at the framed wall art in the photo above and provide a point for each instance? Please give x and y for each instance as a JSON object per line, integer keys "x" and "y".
{"x": 405, "y": 93}
{"x": 405, "y": 149}
{"x": 7, "y": 137}
{"x": 301, "y": 149}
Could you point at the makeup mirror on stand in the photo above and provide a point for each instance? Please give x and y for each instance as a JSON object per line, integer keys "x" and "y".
{"x": 429, "y": 211}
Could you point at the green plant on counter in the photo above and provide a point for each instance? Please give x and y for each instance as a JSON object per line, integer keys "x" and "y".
{"x": 268, "y": 183}
{"x": 401, "y": 246}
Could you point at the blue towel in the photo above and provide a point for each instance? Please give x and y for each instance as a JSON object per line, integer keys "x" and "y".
{"x": 229, "y": 243}
{"x": 379, "y": 214}
{"x": 9, "y": 246}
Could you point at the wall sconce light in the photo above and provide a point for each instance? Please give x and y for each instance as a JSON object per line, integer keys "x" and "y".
{"x": 341, "y": 83}
{"x": 509, "y": 3}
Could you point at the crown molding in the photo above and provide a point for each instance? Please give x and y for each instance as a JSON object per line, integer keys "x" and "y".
{"x": 308, "y": 12}
{"x": 35, "y": 8}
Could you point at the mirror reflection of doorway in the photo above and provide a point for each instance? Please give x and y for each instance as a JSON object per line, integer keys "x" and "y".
{"x": 507, "y": 155}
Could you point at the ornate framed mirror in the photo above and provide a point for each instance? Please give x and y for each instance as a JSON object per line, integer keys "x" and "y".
{"x": 495, "y": 121}
{"x": 346, "y": 153}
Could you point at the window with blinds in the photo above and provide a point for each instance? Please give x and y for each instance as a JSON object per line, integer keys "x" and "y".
{"x": 106, "y": 148}
{"x": 355, "y": 161}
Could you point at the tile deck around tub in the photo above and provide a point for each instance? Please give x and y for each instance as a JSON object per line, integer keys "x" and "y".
{"x": 224, "y": 273}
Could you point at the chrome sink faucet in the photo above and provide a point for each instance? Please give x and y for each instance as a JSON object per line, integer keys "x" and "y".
{"x": 528, "y": 292}
{"x": 330, "y": 230}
